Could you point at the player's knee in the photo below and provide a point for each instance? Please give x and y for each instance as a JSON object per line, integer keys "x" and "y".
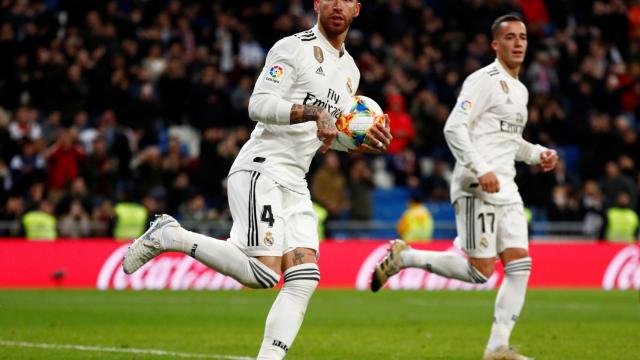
{"x": 302, "y": 279}
{"x": 484, "y": 268}
{"x": 263, "y": 277}
{"x": 518, "y": 267}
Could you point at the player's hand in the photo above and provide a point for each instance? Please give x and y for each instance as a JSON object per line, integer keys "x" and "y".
{"x": 378, "y": 138}
{"x": 548, "y": 160}
{"x": 489, "y": 182}
{"x": 327, "y": 131}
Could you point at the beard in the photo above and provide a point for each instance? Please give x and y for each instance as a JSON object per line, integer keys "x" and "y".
{"x": 335, "y": 30}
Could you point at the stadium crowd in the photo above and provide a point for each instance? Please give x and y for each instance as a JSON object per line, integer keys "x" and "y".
{"x": 107, "y": 103}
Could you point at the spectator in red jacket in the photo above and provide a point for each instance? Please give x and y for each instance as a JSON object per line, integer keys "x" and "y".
{"x": 63, "y": 159}
{"x": 401, "y": 123}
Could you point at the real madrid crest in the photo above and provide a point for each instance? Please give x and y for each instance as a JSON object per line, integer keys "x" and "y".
{"x": 349, "y": 86}
{"x": 484, "y": 242}
{"x": 317, "y": 52}
{"x": 504, "y": 86}
{"x": 268, "y": 238}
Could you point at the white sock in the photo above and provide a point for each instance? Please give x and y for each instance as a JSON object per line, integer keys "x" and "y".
{"x": 222, "y": 256}
{"x": 443, "y": 263}
{"x": 509, "y": 302}
{"x": 287, "y": 312}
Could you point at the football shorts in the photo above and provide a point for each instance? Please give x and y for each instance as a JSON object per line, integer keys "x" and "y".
{"x": 269, "y": 219}
{"x": 485, "y": 230}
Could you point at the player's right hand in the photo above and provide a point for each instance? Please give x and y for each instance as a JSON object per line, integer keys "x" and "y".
{"x": 327, "y": 131}
{"x": 489, "y": 182}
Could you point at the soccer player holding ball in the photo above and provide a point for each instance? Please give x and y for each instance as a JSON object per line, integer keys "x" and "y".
{"x": 484, "y": 133}
{"x": 307, "y": 81}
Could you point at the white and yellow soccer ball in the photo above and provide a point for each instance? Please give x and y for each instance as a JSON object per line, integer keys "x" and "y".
{"x": 356, "y": 120}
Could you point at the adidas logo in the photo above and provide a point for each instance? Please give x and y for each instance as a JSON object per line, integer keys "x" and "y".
{"x": 320, "y": 71}
{"x": 509, "y": 102}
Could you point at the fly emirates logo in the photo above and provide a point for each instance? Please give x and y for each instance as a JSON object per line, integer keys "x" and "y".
{"x": 330, "y": 103}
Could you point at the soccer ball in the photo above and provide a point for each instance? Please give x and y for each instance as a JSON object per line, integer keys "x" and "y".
{"x": 354, "y": 123}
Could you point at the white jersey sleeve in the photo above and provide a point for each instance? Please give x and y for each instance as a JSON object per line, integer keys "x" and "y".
{"x": 267, "y": 103}
{"x": 472, "y": 102}
{"x": 529, "y": 153}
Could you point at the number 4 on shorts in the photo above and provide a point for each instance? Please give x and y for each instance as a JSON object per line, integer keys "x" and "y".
{"x": 267, "y": 215}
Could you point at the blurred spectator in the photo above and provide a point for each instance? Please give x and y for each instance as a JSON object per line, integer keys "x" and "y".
{"x": 565, "y": 205}
{"x": 401, "y": 123}
{"x": 592, "y": 210}
{"x": 321, "y": 214}
{"x": 406, "y": 169}
{"x": 63, "y": 162}
{"x": 10, "y": 215}
{"x": 361, "y": 189}
{"x": 195, "y": 210}
{"x": 100, "y": 170}
{"x": 416, "y": 223}
{"x": 622, "y": 221}
{"x": 77, "y": 191}
{"x": 51, "y": 128}
{"x": 541, "y": 74}
{"x": 25, "y": 126}
{"x": 178, "y": 192}
{"x": 329, "y": 186}
{"x": 27, "y": 167}
{"x": 103, "y": 217}
{"x": 436, "y": 184}
{"x": 40, "y": 224}
{"x": 615, "y": 183}
{"x": 131, "y": 220}
{"x": 75, "y": 223}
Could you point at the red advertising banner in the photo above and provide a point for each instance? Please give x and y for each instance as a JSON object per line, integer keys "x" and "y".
{"x": 97, "y": 264}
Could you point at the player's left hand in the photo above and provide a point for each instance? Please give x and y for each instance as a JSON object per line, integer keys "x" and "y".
{"x": 548, "y": 160}
{"x": 327, "y": 131}
{"x": 378, "y": 138}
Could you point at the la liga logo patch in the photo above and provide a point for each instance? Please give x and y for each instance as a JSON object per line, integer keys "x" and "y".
{"x": 466, "y": 106}
{"x": 275, "y": 74}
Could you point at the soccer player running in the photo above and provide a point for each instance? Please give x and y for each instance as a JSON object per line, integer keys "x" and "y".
{"x": 484, "y": 133}
{"x": 307, "y": 80}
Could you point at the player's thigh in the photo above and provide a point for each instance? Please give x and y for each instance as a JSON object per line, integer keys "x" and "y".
{"x": 476, "y": 224}
{"x": 298, "y": 256}
{"x": 512, "y": 229}
{"x": 255, "y": 202}
{"x": 301, "y": 223}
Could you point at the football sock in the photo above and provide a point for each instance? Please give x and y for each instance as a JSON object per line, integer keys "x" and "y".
{"x": 444, "y": 263}
{"x": 220, "y": 255}
{"x": 287, "y": 312}
{"x": 509, "y": 301}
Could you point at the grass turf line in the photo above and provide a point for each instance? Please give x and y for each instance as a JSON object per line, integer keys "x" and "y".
{"x": 555, "y": 324}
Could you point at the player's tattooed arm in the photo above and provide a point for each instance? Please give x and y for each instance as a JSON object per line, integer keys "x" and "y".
{"x": 326, "y": 128}
{"x": 303, "y": 113}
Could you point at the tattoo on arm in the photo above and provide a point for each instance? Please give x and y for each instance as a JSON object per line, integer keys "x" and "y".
{"x": 303, "y": 113}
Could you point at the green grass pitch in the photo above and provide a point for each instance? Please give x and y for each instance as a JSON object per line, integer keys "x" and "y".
{"x": 577, "y": 324}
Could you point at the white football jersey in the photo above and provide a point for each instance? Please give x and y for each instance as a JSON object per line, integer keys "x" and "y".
{"x": 484, "y": 133}
{"x": 300, "y": 69}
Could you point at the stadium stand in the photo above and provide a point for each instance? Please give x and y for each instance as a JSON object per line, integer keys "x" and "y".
{"x": 147, "y": 100}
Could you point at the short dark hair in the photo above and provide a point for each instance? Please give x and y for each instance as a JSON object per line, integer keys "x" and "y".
{"x": 504, "y": 18}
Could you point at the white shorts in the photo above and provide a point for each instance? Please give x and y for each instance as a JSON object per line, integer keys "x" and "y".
{"x": 269, "y": 219}
{"x": 485, "y": 230}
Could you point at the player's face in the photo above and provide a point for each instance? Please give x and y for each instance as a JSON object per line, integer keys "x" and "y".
{"x": 511, "y": 43}
{"x": 335, "y": 16}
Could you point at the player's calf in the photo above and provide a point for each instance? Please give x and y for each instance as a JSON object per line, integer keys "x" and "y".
{"x": 287, "y": 312}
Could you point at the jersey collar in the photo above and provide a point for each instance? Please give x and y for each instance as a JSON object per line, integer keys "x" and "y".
{"x": 504, "y": 71}
{"x": 326, "y": 44}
